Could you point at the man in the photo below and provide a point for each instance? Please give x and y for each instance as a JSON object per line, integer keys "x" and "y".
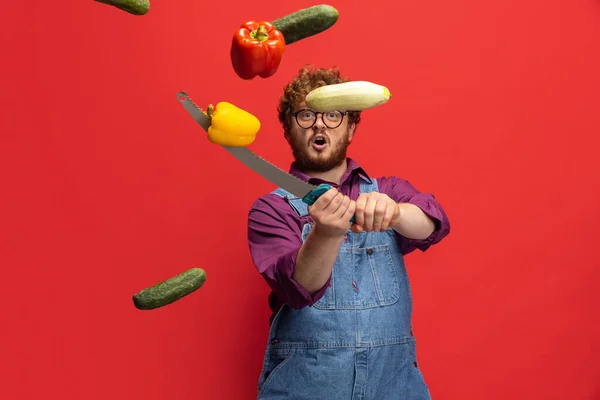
{"x": 341, "y": 323}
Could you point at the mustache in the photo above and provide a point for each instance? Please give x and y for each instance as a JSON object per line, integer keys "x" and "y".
{"x": 319, "y": 133}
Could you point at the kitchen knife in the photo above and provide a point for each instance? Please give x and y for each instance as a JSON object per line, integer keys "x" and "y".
{"x": 307, "y": 192}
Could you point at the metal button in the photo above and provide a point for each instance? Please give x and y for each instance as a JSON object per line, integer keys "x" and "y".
{"x": 370, "y": 251}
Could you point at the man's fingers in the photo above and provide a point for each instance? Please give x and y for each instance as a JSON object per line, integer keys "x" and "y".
{"x": 369, "y": 213}
{"x": 336, "y": 205}
{"x": 389, "y": 214}
{"x": 347, "y": 216}
{"x": 378, "y": 214}
{"x": 343, "y": 207}
{"x": 329, "y": 202}
{"x": 325, "y": 199}
{"x": 361, "y": 202}
{"x": 356, "y": 228}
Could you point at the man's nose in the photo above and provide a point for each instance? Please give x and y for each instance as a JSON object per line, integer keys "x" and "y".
{"x": 319, "y": 122}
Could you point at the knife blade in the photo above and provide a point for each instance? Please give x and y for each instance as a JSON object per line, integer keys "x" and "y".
{"x": 307, "y": 192}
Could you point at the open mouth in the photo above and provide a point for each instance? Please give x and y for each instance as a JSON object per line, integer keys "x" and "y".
{"x": 319, "y": 142}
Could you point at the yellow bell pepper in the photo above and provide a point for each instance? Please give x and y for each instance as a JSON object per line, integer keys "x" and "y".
{"x": 231, "y": 126}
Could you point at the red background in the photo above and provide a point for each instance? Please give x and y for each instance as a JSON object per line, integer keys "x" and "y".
{"x": 108, "y": 186}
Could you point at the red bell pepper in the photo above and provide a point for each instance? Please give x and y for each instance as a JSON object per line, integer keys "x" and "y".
{"x": 257, "y": 49}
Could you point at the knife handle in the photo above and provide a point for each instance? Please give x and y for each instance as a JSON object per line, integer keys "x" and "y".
{"x": 314, "y": 194}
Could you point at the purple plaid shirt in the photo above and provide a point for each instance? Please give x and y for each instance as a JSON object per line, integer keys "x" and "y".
{"x": 275, "y": 232}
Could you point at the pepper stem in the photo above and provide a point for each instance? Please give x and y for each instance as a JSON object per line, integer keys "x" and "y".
{"x": 209, "y": 111}
{"x": 260, "y": 34}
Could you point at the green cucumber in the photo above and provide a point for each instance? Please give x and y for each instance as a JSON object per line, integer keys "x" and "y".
{"x": 135, "y": 7}
{"x": 169, "y": 291}
{"x": 306, "y": 22}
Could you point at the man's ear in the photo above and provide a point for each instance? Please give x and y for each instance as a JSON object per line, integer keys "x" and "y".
{"x": 286, "y": 130}
{"x": 351, "y": 129}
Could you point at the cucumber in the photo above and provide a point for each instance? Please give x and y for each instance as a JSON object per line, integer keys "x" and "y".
{"x": 169, "y": 291}
{"x": 306, "y": 22}
{"x": 135, "y": 7}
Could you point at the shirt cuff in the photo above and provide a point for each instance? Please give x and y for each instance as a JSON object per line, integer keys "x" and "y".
{"x": 433, "y": 210}
{"x": 294, "y": 294}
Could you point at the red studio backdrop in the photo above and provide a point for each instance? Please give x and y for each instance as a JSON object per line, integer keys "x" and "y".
{"x": 108, "y": 187}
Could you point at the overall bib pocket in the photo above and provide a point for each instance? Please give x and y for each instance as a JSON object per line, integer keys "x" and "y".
{"x": 364, "y": 275}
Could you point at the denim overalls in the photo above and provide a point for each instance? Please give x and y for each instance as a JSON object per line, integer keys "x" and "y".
{"x": 354, "y": 343}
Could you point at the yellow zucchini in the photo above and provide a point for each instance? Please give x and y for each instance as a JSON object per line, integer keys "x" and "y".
{"x": 347, "y": 96}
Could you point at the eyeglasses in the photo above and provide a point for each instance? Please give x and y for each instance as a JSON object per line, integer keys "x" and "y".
{"x": 306, "y": 118}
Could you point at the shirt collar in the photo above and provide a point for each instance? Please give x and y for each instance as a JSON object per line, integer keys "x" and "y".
{"x": 353, "y": 169}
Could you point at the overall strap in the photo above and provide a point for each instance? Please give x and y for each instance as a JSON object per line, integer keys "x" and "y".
{"x": 297, "y": 204}
{"x": 367, "y": 187}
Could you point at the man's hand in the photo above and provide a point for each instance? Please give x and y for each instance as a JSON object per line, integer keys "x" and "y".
{"x": 375, "y": 212}
{"x": 332, "y": 213}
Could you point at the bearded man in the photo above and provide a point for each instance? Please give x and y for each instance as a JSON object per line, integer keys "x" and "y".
{"x": 340, "y": 296}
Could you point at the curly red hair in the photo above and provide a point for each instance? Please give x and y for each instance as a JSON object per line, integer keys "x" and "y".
{"x": 309, "y": 78}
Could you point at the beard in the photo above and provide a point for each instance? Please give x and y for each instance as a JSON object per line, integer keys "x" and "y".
{"x": 307, "y": 160}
